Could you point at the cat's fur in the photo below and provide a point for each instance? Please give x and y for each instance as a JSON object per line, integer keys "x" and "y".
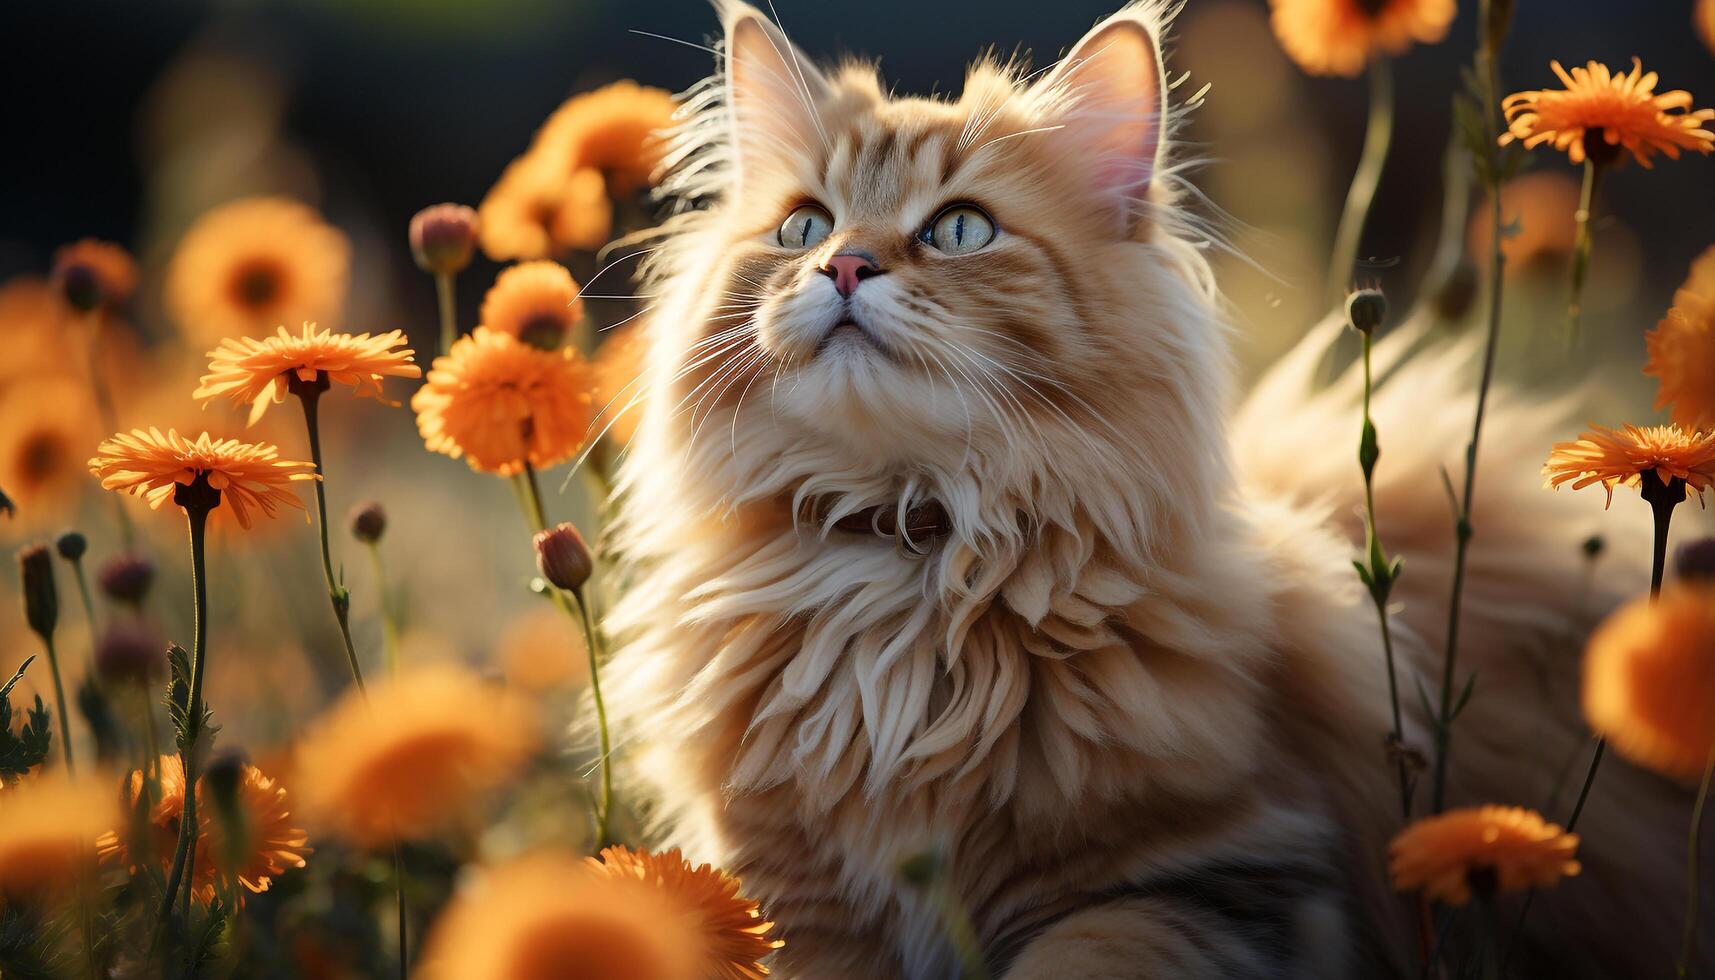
{"x": 1136, "y": 698}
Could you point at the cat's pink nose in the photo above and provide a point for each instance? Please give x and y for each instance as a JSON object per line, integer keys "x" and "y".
{"x": 847, "y": 269}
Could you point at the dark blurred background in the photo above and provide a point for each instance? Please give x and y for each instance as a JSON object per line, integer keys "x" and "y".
{"x": 126, "y": 118}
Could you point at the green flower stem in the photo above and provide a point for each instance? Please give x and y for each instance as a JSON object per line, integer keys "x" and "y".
{"x": 399, "y": 900}
{"x": 389, "y": 624}
{"x": 1488, "y": 53}
{"x": 530, "y": 497}
{"x": 310, "y": 393}
{"x": 60, "y": 702}
{"x": 1581, "y": 248}
{"x": 1378, "y": 137}
{"x": 184, "y": 854}
{"x": 445, "y": 300}
{"x": 1688, "y": 941}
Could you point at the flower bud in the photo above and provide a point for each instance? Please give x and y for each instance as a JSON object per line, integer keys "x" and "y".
{"x": 368, "y": 522}
{"x": 222, "y": 775}
{"x": 91, "y": 274}
{"x": 443, "y": 238}
{"x": 126, "y": 578}
{"x": 563, "y": 558}
{"x": 71, "y": 545}
{"x": 1366, "y": 309}
{"x": 41, "y": 601}
{"x": 80, "y": 286}
{"x": 1593, "y": 546}
{"x": 130, "y": 651}
{"x": 1695, "y": 561}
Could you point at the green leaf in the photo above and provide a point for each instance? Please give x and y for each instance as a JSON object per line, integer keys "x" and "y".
{"x": 1364, "y": 574}
{"x": 186, "y": 729}
{"x": 1368, "y": 449}
{"x": 25, "y": 750}
{"x": 1465, "y": 695}
{"x": 7, "y": 690}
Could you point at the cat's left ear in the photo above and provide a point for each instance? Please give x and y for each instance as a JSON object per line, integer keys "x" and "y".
{"x": 1109, "y": 98}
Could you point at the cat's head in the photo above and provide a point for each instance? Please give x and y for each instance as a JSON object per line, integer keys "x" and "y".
{"x": 885, "y": 283}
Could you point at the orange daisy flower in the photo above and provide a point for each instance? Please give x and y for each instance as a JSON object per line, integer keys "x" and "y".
{"x": 1649, "y": 679}
{"x": 1540, "y": 208}
{"x": 248, "y": 476}
{"x": 549, "y": 913}
{"x": 537, "y": 302}
{"x": 49, "y": 824}
{"x": 1620, "y": 457}
{"x": 271, "y": 845}
{"x": 500, "y": 403}
{"x": 619, "y": 365}
{"x": 257, "y": 372}
{"x": 541, "y": 651}
{"x": 1682, "y": 350}
{"x": 732, "y": 934}
{"x": 1619, "y": 111}
{"x": 536, "y": 210}
{"x": 413, "y": 756}
{"x": 246, "y": 267}
{"x": 1341, "y": 37}
{"x": 101, "y": 269}
{"x": 1509, "y": 847}
{"x": 613, "y": 130}
{"x": 46, "y": 427}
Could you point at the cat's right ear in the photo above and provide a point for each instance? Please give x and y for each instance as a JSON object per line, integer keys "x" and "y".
{"x": 773, "y": 93}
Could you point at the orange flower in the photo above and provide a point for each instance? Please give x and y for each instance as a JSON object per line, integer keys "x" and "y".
{"x": 537, "y": 302}
{"x": 1516, "y": 846}
{"x": 48, "y": 827}
{"x": 542, "y": 651}
{"x": 46, "y": 427}
{"x": 103, "y": 266}
{"x": 414, "y": 755}
{"x": 255, "y": 371}
{"x": 1624, "y": 111}
{"x": 619, "y": 387}
{"x": 1682, "y": 350}
{"x": 535, "y": 210}
{"x": 538, "y": 915}
{"x": 1705, "y": 22}
{"x": 1620, "y": 457}
{"x": 613, "y": 130}
{"x": 249, "y": 266}
{"x": 1341, "y": 37}
{"x": 500, "y": 403}
{"x": 1649, "y": 679}
{"x": 732, "y": 934}
{"x": 1541, "y": 209}
{"x": 247, "y": 475}
{"x": 270, "y": 846}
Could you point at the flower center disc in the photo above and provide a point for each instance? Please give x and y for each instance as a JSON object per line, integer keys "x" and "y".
{"x": 256, "y": 284}
{"x": 1372, "y": 8}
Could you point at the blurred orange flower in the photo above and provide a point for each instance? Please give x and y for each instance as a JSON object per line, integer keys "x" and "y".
{"x": 48, "y": 827}
{"x": 1623, "y": 110}
{"x": 271, "y": 844}
{"x": 249, "y": 266}
{"x": 1682, "y": 350}
{"x": 500, "y": 403}
{"x": 619, "y": 365}
{"x": 1705, "y": 22}
{"x": 1649, "y": 679}
{"x": 247, "y": 475}
{"x": 408, "y": 760}
{"x": 542, "y": 651}
{"x": 254, "y": 371}
{"x": 557, "y": 196}
{"x": 1620, "y": 457}
{"x": 1341, "y": 37}
{"x": 537, "y": 302}
{"x": 107, "y": 266}
{"x": 1541, "y": 208}
{"x": 536, "y": 915}
{"x": 47, "y": 426}
{"x": 732, "y": 935}
{"x": 1441, "y": 854}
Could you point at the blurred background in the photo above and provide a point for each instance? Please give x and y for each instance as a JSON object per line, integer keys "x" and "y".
{"x": 131, "y": 117}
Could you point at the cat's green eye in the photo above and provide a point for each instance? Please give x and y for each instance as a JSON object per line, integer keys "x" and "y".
{"x": 959, "y": 229}
{"x": 805, "y": 227}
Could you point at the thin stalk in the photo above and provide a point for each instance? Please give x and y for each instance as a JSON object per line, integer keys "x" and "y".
{"x": 449, "y": 319}
{"x": 338, "y": 596}
{"x": 1380, "y": 573}
{"x": 1688, "y": 941}
{"x": 399, "y": 898}
{"x": 1581, "y": 248}
{"x": 530, "y": 497}
{"x": 1378, "y": 136}
{"x": 184, "y": 854}
{"x": 389, "y": 625}
{"x": 60, "y": 702}
{"x": 1487, "y": 71}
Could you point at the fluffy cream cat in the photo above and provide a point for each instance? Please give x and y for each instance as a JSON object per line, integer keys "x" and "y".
{"x": 938, "y": 537}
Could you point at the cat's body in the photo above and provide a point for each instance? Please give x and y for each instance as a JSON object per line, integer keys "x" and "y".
{"x": 1132, "y": 694}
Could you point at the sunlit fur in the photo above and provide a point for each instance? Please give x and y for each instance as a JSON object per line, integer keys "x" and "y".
{"x": 1134, "y": 669}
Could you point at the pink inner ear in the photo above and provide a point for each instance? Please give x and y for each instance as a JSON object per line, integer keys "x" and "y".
{"x": 1113, "y": 83}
